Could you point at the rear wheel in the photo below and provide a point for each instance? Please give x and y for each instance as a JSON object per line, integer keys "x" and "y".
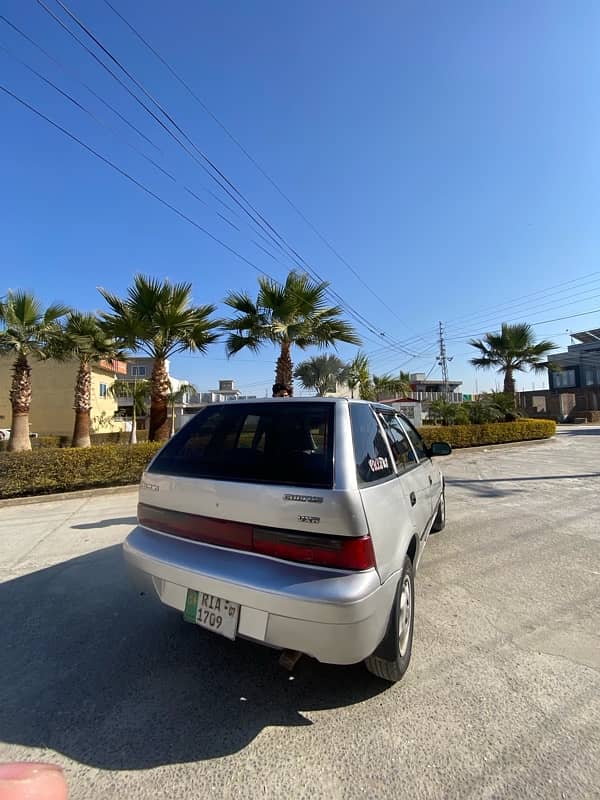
{"x": 391, "y": 659}
{"x": 439, "y": 523}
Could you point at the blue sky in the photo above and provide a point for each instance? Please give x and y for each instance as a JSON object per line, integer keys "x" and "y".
{"x": 449, "y": 152}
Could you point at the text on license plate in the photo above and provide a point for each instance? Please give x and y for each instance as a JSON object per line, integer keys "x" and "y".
{"x": 212, "y": 612}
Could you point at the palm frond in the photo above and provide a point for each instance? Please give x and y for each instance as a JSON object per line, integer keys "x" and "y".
{"x": 295, "y": 313}
{"x": 159, "y": 318}
{"x": 27, "y": 328}
{"x": 242, "y": 302}
{"x": 237, "y": 341}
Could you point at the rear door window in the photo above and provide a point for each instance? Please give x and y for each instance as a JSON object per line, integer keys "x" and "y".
{"x": 282, "y": 443}
{"x": 371, "y": 453}
{"x": 415, "y": 438}
{"x": 402, "y": 451}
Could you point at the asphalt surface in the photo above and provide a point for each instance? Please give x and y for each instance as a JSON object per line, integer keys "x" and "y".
{"x": 502, "y": 699}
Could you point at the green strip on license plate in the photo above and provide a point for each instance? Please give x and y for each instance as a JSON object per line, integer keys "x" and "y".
{"x": 191, "y": 606}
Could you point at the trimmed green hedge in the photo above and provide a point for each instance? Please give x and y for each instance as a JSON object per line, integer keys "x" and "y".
{"x": 490, "y": 433}
{"x": 49, "y": 470}
{"x": 46, "y": 470}
{"x": 117, "y": 437}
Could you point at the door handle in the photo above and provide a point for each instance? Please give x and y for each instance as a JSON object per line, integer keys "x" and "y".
{"x": 430, "y": 481}
{"x": 413, "y": 499}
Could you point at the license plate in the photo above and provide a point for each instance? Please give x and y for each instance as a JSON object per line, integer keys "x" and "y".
{"x": 214, "y": 613}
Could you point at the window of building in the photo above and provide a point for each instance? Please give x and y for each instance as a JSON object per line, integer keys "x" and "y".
{"x": 103, "y": 390}
{"x": 564, "y": 378}
{"x": 138, "y": 372}
{"x": 591, "y": 376}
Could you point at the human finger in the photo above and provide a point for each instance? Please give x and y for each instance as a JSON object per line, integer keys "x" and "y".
{"x": 32, "y": 781}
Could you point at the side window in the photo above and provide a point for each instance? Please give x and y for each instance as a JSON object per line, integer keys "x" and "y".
{"x": 370, "y": 451}
{"x": 416, "y": 441}
{"x": 250, "y": 435}
{"x": 401, "y": 449}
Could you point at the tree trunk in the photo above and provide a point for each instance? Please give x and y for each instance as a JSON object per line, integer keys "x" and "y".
{"x": 159, "y": 416}
{"x": 20, "y": 400}
{"x": 509, "y": 381}
{"x": 173, "y": 420}
{"x": 284, "y": 369}
{"x": 133, "y": 432}
{"x": 82, "y": 406}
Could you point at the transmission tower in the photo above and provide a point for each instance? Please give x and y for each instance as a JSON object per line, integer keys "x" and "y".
{"x": 443, "y": 360}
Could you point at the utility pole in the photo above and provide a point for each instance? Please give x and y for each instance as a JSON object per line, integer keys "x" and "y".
{"x": 443, "y": 360}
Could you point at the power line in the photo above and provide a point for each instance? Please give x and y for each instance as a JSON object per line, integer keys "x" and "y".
{"x": 302, "y": 262}
{"x": 549, "y": 306}
{"x": 534, "y": 322}
{"x": 153, "y": 115}
{"x": 69, "y": 72}
{"x": 253, "y": 161}
{"x": 460, "y": 336}
{"x": 85, "y": 110}
{"x": 136, "y": 182}
{"x": 547, "y": 290}
{"x": 202, "y": 155}
{"x": 527, "y": 308}
{"x": 108, "y": 127}
{"x": 85, "y": 86}
{"x": 214, "y": 167}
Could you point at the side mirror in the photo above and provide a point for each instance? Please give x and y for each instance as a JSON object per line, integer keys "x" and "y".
{"x": 440, "y": 449}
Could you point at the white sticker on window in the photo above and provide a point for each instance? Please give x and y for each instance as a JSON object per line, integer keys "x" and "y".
{"x": 378, "y": 464}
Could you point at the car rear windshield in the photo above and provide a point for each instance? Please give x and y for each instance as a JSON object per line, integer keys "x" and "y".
{"x": 281, "y": 442}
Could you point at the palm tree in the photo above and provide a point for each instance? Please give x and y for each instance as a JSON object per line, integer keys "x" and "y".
{"x": 295, "y": 313}
{"x": 177, "y": 396}
{"x": 448, "y": 413}
{"x": 321, "y": 372}
{"x": 84, "y": 339}
{"x": 158, "y": 318}
{"x": 359, "y": 375}
{"x": 138, "y": 392}
{"x": 28, "y": 330}
{"x": 504, "y": 404}
{"x": 514, "y": 348}
{"x": 383, "y": 385}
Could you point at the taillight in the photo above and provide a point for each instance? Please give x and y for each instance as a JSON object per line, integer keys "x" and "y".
{"x": 340, "y": 552}
{"x": 199, "y": 529}
{"x": 343, "y": 552}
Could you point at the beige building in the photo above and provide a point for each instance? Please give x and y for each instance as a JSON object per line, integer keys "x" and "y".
{"x": 53, "y": 388}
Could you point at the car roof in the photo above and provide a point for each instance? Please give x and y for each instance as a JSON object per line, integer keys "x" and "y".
{"x": 331, "y": 400}
{"x": 247, "y": 401}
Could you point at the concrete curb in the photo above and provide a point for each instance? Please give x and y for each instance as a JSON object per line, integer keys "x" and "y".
{"x": 50, "y": 498}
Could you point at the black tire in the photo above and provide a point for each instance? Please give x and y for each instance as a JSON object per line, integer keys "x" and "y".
{"x": 391, "y": 659}
{"x": 439, "y": 523}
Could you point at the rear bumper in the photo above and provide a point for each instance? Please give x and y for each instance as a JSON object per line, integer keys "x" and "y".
{"x": 336, "y": 617}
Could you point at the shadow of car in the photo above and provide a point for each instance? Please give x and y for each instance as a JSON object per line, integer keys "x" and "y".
{"x": 113, "y": 680}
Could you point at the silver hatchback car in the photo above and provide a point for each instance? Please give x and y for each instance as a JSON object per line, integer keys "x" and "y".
{"x": 297, "y": 523}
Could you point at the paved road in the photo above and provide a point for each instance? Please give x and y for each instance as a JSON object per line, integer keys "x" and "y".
{"x": 502, "y": 699}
